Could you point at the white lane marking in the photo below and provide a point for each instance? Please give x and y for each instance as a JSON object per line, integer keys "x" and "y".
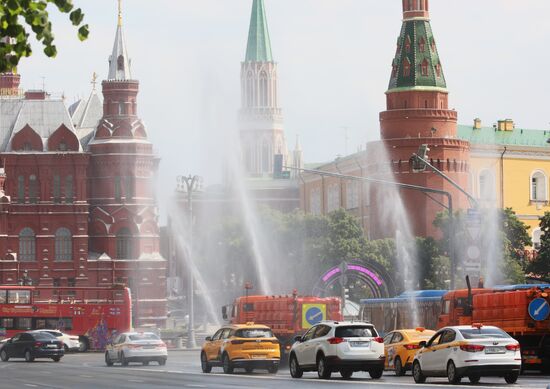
{"x": 138, "y": 381}
{"x": 281, "y": 378}
{"x": 31, "y": 385}
{"x": 194, "y": 386}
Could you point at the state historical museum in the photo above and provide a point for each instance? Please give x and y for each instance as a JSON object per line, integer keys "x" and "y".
{"x": 77, "y": 206}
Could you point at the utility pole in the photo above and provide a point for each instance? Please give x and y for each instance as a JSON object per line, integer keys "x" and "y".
{"x": 190, "y": 185}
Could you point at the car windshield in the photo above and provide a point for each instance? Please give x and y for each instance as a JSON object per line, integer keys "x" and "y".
{"x": 254, "y": 333}
{"x": 143, "y": 337}
{"x": 355, "y": 332}
{"x": 482, "y": 333}
{"x": 43, "y": 336}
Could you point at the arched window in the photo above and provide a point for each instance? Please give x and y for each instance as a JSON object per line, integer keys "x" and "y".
{"x": 129, "y": 182}
{"x": 486, "y": 185}
{"x": 537, "y": 233}
{"x": 315, "y": 201}
{"x": 538, "y": 187}
{"x": 406, "y": 67}
{"x": 438, "y": 70}
{"x": 56, "y": 188}
{"x": 408, "y": 44}
{"x": 333, "y": 197}
{"x": 33, "y": 188}
{"x": 124, "y": 244}
{"x": 424, "y": 67}
{"x": 250, "y": 90}
{"x": 62, "y": 146}
{"x": 21, "y": 189}
{"x": 121, "y": 108}
{"x": 69, "y": 189}
{"x": 27, "y": 245}
{"x": 422, "y": 45}
{"x": 120, "y": 62}
{"x": 263, "y": 90}
{"x": 63, "y": 245}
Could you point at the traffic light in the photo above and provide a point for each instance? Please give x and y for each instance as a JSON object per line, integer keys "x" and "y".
{"x": 418, "y": 165}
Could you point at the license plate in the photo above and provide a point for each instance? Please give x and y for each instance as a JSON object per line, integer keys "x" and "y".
{"x": 258, "y": 356}
{"x": 51, "y": 346}
{"x": 495, "y": 350}
{"x": 360, "y": 344}
{"x": 148, "y": 346}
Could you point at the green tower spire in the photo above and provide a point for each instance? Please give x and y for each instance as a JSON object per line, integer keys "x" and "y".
{"x": 259, "y": 44}
{"x": 416, "y": 64}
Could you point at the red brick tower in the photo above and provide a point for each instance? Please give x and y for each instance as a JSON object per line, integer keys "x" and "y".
{"x": 417, "y": 113}
{"x": 123, "y": 211}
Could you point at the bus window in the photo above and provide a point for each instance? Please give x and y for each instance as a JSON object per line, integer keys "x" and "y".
{"x": 51, "y": 324}
{"x": 3, "y": 297}
{"x": 6, "y": 323}
{"x": 24, "y": 323}
{"x": 446, "y": 309}
{"x": 19, "y": 296}
{"x": 65, "y": 324}
{"x": 40, "y": 324}
{"x": 248, "y": 307}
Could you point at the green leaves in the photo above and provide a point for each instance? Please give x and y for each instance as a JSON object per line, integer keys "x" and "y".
{"x": 15, "y": 15}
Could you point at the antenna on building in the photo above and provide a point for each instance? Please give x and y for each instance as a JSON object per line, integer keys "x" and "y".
{"x": 94, "y": 80}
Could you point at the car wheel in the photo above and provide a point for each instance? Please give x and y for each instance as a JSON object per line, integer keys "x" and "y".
{"x": 376, "y": 373}
{"x": 66, "y": 348}
{"x": 108, "y": 360}
{"x": 346, "y": 374}
{"x": 28, "y": 356}
{"x": 226, "y": 362}
{"x": 474, "y": 379}
{"x": 123, "y": 360}
{"x": 56, "y": 359}
{"x": 4, "y": 356}
{"x": 418, "y": 376}
{"x": 452, "y": 374}
{"x": 323, "y": 371}
{"x": 295, "y": 370}
{"x": 145, "y": 363}
{"x": 162, "y": 362}
{"x": 511, "y": 377}
{"x": 273, "y": 369}
{"x": 83, "y": 344}
{"x": 205, "y": 366}
{"x": 399, "y": 369}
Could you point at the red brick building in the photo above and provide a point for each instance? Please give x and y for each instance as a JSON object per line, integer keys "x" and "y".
{"x": 77, "y": 206}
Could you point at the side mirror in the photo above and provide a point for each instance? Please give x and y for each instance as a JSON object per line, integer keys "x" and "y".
{"x": 224, "y": 312}
{"x": 422, "y": 344}
{"x": 298, "y": 338}
{"x": 208, "y": 338}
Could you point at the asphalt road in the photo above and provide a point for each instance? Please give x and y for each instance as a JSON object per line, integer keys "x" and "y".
{"x": 88, "y": 371}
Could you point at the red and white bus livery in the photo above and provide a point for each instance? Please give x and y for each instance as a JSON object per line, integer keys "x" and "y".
{"x": 93, "y": 314}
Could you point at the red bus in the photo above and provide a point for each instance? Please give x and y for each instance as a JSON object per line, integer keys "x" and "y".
{"x": 93, "y": 314}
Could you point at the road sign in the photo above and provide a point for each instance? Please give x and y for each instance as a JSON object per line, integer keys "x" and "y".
{"x": 313, "y": 314}
{"x": 539, "y": 309}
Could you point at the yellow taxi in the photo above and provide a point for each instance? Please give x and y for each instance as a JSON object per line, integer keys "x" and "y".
{"x": 401, "y": 346}
{"x": 249, "y": 346}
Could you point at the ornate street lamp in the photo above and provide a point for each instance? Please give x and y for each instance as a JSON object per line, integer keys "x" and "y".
{"x": 190, "y": 184}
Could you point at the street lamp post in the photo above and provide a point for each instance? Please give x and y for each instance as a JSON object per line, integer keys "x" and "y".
{"x": 190, "y": 184}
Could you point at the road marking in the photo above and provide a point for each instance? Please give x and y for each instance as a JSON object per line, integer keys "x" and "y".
{"x": 31, "y": 385}
{"x": 138, "y": 381}
{"x": 86, "y": 376}
{"x": 194, "y": 386}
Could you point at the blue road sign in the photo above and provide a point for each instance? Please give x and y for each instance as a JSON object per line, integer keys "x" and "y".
{"x": 314, "y": 315}
{"x": 539, "y": 309}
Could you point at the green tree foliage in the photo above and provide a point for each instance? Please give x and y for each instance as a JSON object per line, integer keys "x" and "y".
{"x": 512, "y": 238}
{"x": 434, "y": 268}
{"x": 540, "y": 266}
{"x": 16, "y": 16}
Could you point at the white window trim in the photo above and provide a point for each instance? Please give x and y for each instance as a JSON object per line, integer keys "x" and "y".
{"x": 531, "y": 197}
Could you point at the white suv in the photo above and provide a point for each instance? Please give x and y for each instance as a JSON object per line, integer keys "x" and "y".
{"x": 338, "y": 346}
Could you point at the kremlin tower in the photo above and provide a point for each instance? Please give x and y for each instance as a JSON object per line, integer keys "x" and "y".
{"x": 261, "y": 121}
{"x": 123, "y": 209}
{"x": 418, "y": 113}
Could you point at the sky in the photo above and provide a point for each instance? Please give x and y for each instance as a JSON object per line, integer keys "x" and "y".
{"x": 334, "y": 61}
